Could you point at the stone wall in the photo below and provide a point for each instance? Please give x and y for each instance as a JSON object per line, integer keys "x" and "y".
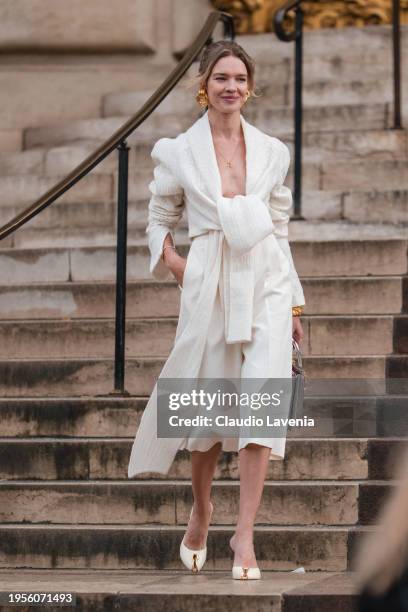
{"x": 99, "y": 26}
{"x": 58, "y": 59}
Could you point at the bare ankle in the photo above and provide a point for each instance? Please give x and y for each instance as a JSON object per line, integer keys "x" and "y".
{"x": 244, "y": 534}
{"x": 202, "y": 509}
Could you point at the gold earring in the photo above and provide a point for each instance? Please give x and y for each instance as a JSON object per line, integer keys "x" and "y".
{"x": 202, "y": 97}
{"x": 248, "y": 95}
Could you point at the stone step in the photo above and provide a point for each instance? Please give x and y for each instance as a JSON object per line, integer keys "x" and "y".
{"x": 341, "y": 231}
{"x": 75, "y": 377}
{"x": 21, "y": 191}
{"x": 366, "y": 174}
{"x": 106, "y": 458}
{"x": 278, "y": 121}
{"x": 83, "y": 216}
{"x": 100, "y": 129}
{"x": 335, "y": 257}
{"x": 67, "y": 216}
{"x": 341, "y": 415}
{"x": 331, "y": 65}
{"x": 67, "y": 226}
{"x": 376, "y": 144}
{"x": 155, "y": 503}
{"x": 176, "y": 590}
{"x": 334, "y": 41}
{"x": 157, "y": 547}
{"x": 97, "y": 300}
{"x": 358, "y": 207}
{"x": 60, "y": 160}
{"x": 40, "y": 238}
{"x": 80, "y": 300}
{"x": 299, "y": 231}
{"x": 326, "y": 92}
{"x": 154, "y": 337}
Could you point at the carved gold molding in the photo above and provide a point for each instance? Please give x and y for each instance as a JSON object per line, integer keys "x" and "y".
{"x": 255, "y": 16}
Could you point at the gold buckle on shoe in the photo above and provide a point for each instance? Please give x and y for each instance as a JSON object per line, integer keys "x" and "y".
{"x": 194, "y": 569}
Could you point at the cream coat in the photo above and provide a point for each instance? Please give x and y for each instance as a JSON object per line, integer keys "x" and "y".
{"x": 186, "y": 174}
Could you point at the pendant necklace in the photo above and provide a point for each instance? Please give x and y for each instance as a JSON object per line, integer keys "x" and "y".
{"x": 229, "y": 162}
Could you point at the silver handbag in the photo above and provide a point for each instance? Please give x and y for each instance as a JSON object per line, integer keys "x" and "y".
{"x": 298, "y": 383}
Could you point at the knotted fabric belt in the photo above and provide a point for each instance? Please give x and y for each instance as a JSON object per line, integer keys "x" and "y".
{"x": 245, "y": 220}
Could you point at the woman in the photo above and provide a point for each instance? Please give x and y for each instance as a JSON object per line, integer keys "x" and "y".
{"x": 241, "y": 296}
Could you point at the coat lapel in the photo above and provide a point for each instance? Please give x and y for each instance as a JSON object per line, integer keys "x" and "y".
{"x": 201, "y": 144}
{"x": 202, "y": 148}
{"x": 255, "y": 152}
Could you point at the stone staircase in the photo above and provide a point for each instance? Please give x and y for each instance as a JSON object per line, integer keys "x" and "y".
{"x": 70, "y": 518}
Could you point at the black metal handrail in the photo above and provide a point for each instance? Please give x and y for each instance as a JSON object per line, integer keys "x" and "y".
{"x": 127, "y": 128}
{"x": 118, "y": 141}
{"x": 297, "y": 36}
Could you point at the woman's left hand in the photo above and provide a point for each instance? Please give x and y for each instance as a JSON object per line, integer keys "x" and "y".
{"x": 297, "y": 330}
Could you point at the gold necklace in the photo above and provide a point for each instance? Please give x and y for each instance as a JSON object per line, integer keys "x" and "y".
{"x": 229, "y": 162}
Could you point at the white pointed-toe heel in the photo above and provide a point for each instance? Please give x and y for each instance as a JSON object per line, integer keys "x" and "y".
{"x": 193, "y": 559}
{"x": 245, "y": 573}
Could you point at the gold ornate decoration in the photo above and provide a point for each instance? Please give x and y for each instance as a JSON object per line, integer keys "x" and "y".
{"x": 255, "y": 16}
{"x": 250, "y": 16}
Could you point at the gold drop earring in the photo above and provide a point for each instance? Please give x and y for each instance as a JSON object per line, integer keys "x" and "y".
{"x": 202, "y": 97}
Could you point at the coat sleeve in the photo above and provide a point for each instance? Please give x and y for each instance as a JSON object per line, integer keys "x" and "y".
{"x": 165, "y": 206}
{"x": 280, "y": 203}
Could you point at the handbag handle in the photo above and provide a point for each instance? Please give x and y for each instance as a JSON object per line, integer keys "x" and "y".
{"x": 298, "y": 353}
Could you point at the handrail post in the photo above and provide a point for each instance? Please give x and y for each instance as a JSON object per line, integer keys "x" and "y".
{"x": 396, "y": 44}
{"x": 298, "y": 111}
{"x": 297, "y": 35}
{"x": 121, "y": 252}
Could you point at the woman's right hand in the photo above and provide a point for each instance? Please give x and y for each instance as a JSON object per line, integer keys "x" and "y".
{"x": 176, "y": 264}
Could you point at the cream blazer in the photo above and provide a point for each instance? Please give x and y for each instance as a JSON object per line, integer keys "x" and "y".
{"x": 186, "y": 174}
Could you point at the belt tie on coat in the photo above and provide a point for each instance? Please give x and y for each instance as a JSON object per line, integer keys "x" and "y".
{"x": 245, "y": 220}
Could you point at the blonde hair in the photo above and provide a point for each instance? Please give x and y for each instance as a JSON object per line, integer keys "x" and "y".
{"x": 210, "y": 56}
